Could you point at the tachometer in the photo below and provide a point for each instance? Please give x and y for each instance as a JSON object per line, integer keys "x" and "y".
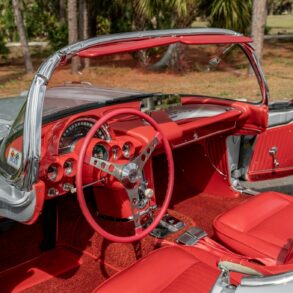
{"x": 77, "y": 130}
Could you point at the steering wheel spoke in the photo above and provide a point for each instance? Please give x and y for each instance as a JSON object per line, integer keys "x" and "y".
{"x": 144, "y": 156}
{"x": 110, "y": 168}
{"x": 134, "y": 201}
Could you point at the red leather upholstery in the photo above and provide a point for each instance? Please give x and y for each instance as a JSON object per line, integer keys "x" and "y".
{"x": 169, "y": 269}
{"x": 259, "y": 227}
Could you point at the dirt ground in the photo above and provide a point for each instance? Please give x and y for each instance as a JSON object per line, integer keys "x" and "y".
{"x": 277, "y": 65}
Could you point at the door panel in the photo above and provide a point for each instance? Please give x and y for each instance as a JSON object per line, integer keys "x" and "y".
{"x": 273, "y": 154}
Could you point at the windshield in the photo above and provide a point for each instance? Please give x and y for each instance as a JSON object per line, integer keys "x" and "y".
{"x": 202, "y": 70}
{"x": 217, "y": 70}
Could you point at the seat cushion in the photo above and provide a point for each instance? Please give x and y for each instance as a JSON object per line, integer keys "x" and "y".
{"x": 169, "y": 269}
{"x": 260, "y": 227}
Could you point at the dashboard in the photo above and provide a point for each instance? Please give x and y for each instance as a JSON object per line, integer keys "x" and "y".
{"x": 189, "y": 120}
{"x": 122, "y": 139}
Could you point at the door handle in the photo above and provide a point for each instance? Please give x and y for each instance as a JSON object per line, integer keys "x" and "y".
{"x": 273, "y": 152}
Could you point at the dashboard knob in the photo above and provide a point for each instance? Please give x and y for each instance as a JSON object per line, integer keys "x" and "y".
{"x": 149, "y": 193}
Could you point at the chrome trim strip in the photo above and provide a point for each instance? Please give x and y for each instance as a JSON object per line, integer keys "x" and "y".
{"x": 278, "y": 279}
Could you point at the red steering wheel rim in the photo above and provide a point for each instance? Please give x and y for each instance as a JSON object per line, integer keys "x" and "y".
{"x": 79, "y": 176}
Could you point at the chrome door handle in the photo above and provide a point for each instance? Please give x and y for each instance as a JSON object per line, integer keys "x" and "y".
{"x": 273, "y": 152}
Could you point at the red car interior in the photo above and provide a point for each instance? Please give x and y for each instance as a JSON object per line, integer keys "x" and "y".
{"x": 174, "y": 269}
{"x": 253, "y": 227}
{"x": 157, "y": 273}
{"x": 195, "y": 199}
{"x": 97, "y": 239}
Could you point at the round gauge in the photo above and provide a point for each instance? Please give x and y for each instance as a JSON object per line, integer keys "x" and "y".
{"x": 69, "y": 167}
{"x": 127, "y": 150}
{"x": 77, "y": 130}
{"x": 53, "y": 172}
{"x": 116, "y": 151}
{"x": 100, "y": 152}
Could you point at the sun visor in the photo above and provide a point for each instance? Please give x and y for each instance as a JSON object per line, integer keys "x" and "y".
{"x": 140, "y": 44}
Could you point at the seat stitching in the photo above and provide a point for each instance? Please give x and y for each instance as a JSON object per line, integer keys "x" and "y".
{"x": 244, "y": 244}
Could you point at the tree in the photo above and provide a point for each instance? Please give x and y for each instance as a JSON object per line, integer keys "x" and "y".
{"x": 62, "y": 11}
{"x": 139, "y": 24}
{"x": 84, "y": 25}
{"x": 22, "y": 36}
{"x": 259, "y": 17}
{"x": 72, "y": 31}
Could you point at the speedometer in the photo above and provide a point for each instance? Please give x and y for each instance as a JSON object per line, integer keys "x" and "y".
{"x": 77, "y": 130}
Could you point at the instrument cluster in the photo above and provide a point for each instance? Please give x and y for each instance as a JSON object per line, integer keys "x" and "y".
{"x": 60, "y": 174}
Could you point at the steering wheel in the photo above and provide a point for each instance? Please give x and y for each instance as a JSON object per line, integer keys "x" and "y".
{"x": 129, "y": 174}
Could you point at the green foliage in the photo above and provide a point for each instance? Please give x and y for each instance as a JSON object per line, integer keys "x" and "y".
{"x": 58, "y": 35}
{"x": 42, "y": 18}
{"x": 3, "y": 49}
{"x": 7, "y": 24}
{"x": 103, "y": 25}
{"x": 229, "y": 14}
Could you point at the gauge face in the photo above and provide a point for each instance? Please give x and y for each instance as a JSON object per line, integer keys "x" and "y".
{"x": 100, "y": 152}
{"x": 68, "y": 167}
{"x": 116, "y": 151}
{"x": 77, "y": 130}
{"x": 127, "y": 150}
{"x": 52, "y": 172}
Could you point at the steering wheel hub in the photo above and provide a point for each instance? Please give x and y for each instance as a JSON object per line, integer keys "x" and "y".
{"x": 131, "y": 173}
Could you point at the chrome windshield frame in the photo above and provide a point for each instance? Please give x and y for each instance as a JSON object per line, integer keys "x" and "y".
{"x": 31, "y": 148}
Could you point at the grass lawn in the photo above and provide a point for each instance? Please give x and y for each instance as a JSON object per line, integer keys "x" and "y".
{"x": 280, "y": 24}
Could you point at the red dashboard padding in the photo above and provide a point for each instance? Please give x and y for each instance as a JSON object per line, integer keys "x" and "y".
{"x": 169, "y": 269}
{"x": 260, "y": 227}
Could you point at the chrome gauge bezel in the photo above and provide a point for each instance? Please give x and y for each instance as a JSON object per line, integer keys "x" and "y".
{"x": 72, "y": 136}
{"x": 106, "y": 153}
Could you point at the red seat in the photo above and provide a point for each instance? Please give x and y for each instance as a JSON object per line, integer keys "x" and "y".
{"x": 169, "y": 269}
{"x": 260, "y": 227}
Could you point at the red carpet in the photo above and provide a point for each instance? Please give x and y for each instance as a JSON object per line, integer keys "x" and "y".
{"x": 39, "y": 269}
{"x": 83, "y": 279}
{"x": 203, "y": 208}
{"x": 20, "y": 243}
{"x": 76, "y": 232}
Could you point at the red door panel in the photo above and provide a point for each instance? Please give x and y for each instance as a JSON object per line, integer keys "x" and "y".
{"x": 273, "y": 154}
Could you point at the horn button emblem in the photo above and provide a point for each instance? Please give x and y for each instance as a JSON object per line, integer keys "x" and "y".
{"x": 131, "y": 173}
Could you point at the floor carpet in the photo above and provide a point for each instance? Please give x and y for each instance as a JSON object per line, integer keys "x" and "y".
{"x": 203, "y": 208}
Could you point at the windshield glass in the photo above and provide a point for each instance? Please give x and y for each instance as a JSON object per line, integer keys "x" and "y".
{"x": 220, "y": 71}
